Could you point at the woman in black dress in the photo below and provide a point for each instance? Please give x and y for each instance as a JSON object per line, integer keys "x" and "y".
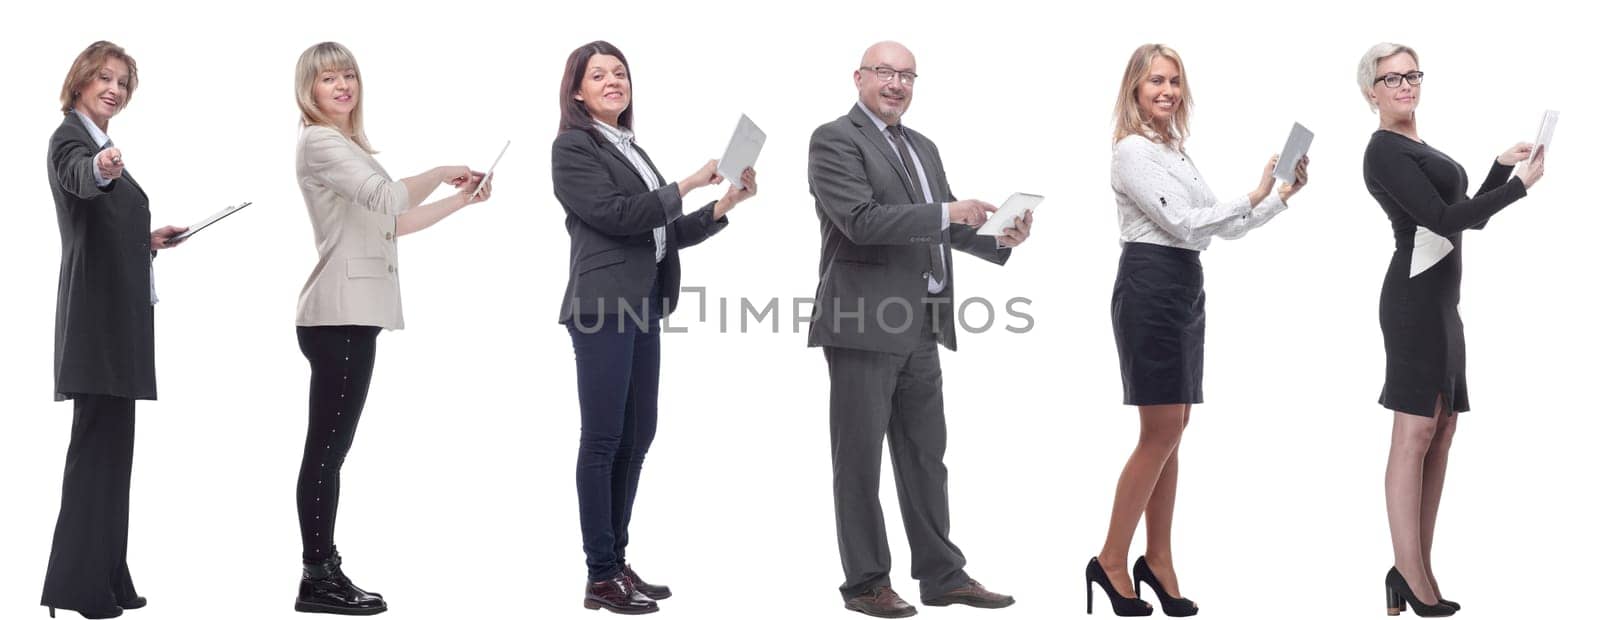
{"x": 1424, "y": 193}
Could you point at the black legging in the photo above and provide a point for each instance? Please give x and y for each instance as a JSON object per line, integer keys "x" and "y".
{"x": 341, "y": 370}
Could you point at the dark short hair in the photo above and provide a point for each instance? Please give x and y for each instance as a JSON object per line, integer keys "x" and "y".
{"x": 88, "y": 64}
{"x": 574, "y": 115}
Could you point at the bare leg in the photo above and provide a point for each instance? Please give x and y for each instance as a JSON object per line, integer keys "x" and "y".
{"x": 1158, "y": 519}
{"x": 1160, "y": 429}
{"x": 1402, "y": 485}
{"x": 1433, "y": 469}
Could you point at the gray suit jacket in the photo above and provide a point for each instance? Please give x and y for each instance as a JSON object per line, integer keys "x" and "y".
{"x": 105, "y": 326}
{"x": 873, "y": 288}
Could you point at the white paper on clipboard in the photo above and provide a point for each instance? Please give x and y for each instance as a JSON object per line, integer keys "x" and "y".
{"x": 743, "y": 149}
{"x": 1018, "y": 205}
{"x": 202, "y": 224}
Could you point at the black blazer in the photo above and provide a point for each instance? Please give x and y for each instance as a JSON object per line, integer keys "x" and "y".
{"x": 611, "y": 214}
{"x": 105, "y": 326}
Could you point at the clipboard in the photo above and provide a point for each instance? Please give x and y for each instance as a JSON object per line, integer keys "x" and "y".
{"x": 215, "y": 217}
{"x": 1296, "y": 147}
{"x": 743, "y": 149}
{"x": 486, "y": 175}
{"x": 1018, "y": 205}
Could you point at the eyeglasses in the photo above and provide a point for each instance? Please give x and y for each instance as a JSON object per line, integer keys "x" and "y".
{"x": 886, "y": 74}
{"x": 1392, "y": 80}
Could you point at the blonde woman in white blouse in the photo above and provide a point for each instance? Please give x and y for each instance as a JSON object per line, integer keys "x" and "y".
{"x": 1168, "y": 215}
{"x": 357, "y": 214}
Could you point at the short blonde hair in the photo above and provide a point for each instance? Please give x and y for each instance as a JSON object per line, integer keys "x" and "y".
{"x": 1129, "y": 118}
{"x": 87, "y": 65}
{"x": 1367, "y": 71}
{"x": 328, "y": 56}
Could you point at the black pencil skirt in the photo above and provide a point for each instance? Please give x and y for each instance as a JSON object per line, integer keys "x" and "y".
{"x": 1158, "y": 315}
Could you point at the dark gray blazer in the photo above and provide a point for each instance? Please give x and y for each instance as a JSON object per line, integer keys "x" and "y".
{"x": 611, "y": 216}
{"x": 105, "y": 326}
{"x": 873, "y": 292}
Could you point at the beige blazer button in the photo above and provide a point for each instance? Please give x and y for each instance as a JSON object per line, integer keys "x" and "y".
{"x": 388, "y": 236}
{"x": 391, "y": 268}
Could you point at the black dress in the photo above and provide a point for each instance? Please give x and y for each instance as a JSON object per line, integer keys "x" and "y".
{"x": 1424, "y": 193}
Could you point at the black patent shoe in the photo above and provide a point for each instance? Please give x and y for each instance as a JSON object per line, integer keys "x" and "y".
{"x": 133, "y": 603}
{"x": 324, "y": 589}
{"x": 656, "y": 592}
{"x": 1170, "y": 605}
{"x": 338, "y": 574}
{"x": 91, "y": 614}
{"x": 617, "y": 595}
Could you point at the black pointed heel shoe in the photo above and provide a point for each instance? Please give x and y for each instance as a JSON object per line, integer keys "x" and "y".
{"x": 1120, "y": 605}
{"x": 91, "y": 615}
{"x": 1398, "y": 594}
{"x": 1170, "y": 605}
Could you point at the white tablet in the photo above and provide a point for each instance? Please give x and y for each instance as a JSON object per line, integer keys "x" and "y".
{"x": 743, "y": 149}
{"x": 1547, "y": 130}
{"x": 1018, "y": 205}
{"x": 485, "y": 178}
{"x": 1296, "y": 147}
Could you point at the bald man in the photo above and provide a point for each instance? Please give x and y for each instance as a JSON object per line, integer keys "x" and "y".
{"x": 884, "y": 304}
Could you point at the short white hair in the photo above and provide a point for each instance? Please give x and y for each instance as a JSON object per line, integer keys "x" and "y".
{"x": 1367, "y": 72}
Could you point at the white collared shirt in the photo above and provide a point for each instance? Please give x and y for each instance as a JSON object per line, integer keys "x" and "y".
{"x": 100, "y": 140}
{"x": 1162, "y": 199}
{"x": 934, "y": 286}
{"x": 623, "y": 140}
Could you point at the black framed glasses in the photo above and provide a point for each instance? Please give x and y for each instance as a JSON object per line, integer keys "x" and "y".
{"x": 887, "y": 74}
{"x": 1392, "y": 80}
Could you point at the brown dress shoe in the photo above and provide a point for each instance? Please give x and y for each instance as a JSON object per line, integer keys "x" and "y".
{"x": 973, "y": 594}
{"x": 881, "y": 602}
{"x": 617, "y": 595}
{"x": 655, "y": 592}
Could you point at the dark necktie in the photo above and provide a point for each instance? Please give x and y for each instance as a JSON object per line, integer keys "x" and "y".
{"x": 935, "y": 252}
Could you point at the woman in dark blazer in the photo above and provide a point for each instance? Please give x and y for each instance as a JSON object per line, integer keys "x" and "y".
{"x": 627, "y": 225}
{"x": 105, "y": 333}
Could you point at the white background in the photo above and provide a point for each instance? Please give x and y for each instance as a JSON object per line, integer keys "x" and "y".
{"x": 458, "y": 497}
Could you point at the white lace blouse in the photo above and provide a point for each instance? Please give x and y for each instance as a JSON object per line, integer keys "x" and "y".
{"x": 1162, "y": 199}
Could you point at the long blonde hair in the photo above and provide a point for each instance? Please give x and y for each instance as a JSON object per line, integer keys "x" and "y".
{"x": 328, "y": 56}
{"x": 1130, "y": 120}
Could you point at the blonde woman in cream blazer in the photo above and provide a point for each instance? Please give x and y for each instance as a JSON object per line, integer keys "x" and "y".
{"x": 358, "y": 212}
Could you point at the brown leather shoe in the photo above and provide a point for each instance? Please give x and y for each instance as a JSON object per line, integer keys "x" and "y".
{"x": 617, "y": 595}
{"x": 973, "y": 594}
{"x": 655, "y": 592}
{"x": 881, "y": 602}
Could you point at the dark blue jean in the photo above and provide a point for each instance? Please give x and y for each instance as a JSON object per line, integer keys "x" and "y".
{"x": 619, "y": 369}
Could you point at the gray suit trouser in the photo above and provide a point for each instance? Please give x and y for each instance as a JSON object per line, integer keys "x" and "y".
{"x": 899, "y": 395}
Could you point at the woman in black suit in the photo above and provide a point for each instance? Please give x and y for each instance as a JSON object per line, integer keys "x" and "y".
{"x": 627, "y": 225}
{"x": 105, "y": 333}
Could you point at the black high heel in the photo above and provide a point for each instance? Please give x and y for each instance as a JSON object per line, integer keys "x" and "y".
{"x": 1398, "y": 593}
{"x": 1120, "y": 605}
{"x": 90, "y": 615}
{"x": 1172, "y": 606}
{"x": 1449, "y": 603}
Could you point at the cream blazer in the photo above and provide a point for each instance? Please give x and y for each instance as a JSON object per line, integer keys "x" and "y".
{"x": 353, "y": 206}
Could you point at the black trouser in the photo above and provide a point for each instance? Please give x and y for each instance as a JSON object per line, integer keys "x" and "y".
{"x": 900, "y": 396}
{"x": 341, "y": 360}
{"x": 619, "y": 373}
{"x": 89, "y": 556}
